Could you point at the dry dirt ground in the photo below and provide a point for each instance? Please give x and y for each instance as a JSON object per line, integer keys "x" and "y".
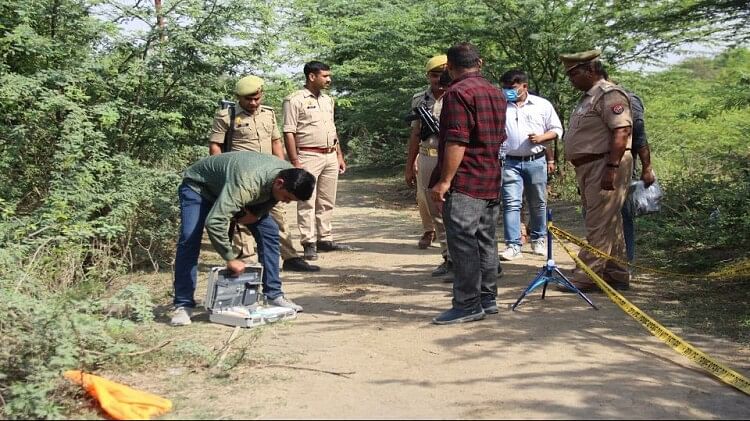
{"x": 367, "y": 313}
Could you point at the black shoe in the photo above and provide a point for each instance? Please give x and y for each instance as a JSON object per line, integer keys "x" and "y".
{"x": 617, "y": 284}
{"x": 331, "y": 246}
{"x": 445, "y": 268}
{"x": 298, "y": 264}
{"x": 310, "y": 252}
{"x": 620, "y": 286}
{"x": 456, "y": 315}
{"x": 489, "y": 305}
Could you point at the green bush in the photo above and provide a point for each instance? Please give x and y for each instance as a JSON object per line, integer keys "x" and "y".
{"x": 96, "y": 126}
{"x": 710, "y": 229}
{"x": 697, "y": 120}
{"x": 45, "y": 333}
{"x": 377, "y": 151}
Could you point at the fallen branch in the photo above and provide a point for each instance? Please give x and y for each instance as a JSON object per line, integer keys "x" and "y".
{"x": 335, "y": 373}
{"x": 227, "y": 346}
{"x": 152, "y": 349}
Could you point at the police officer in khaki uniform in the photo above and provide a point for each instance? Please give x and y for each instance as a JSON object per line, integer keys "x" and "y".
{"x": 422, "y": 160}
{"x": 312, "y": 144}
{"x": 255, "y": 130}
{"x": 598, "y": 135}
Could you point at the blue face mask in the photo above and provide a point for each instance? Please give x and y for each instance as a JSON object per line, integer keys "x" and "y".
{"x": 510, "y": 94}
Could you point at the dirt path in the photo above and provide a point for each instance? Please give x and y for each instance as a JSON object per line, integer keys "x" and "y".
{"x": 368, "y": 312}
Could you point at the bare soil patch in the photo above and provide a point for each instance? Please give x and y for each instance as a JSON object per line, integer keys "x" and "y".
{"x": 367, "y": 313}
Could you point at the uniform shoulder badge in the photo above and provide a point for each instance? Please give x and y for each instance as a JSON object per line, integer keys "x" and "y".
{"x": 266, "y": 108}
{"x": 618, "y": 108}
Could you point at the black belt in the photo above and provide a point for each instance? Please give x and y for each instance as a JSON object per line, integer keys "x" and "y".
{"x": 585, "y": 159}
{"x": 526, "y": 158}
{"x": 317, "y": 150}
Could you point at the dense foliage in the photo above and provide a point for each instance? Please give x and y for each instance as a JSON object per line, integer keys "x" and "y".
{"x": 96, "y": 124}
{"x": 697, "y": 116}
{"x": 380, "y": 48}
{"x": 101, "y": 107}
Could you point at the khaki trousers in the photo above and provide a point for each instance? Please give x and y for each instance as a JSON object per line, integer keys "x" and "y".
{"x": 316, "y": 213}
{"x": 603, "y": 219}
{"x": 245, "y": 243}
{"x": 428, "y": 211}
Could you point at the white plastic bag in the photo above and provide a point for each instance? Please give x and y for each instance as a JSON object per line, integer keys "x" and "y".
{"x": 643, "y": 200}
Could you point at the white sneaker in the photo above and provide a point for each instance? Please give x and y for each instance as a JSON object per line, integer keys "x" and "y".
{"x": 282, "y": 301}
{"x": 181, "y": 316}
{"x": 539, "y": 247}
{"x": 512, "y": 252}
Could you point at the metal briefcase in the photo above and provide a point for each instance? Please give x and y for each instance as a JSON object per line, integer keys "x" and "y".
{"x": 235, "y": 300}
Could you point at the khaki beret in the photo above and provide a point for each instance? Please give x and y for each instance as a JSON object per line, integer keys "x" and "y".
{"x": 248, "y": 85}
{"x": 571, "y": 61}
{"x": 435, "y": 62}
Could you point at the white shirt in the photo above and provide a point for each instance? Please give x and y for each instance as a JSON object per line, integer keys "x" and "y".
{"x": 537, "y": 116}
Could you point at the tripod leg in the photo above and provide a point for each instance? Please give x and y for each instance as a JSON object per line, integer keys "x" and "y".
{"x": 566, "y": 283}
{"x": 540, "y": 279}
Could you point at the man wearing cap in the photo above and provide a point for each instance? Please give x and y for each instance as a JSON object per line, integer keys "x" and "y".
{"x": 422, "y": 159}
{"x": 312, "y": 143}
{"x": 598, "y": 135}
{"x": 238, "y": 187}
{"x": 255, "y": 130}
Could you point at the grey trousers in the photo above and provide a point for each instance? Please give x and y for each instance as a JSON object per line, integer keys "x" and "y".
{"x": 470, "y": 228}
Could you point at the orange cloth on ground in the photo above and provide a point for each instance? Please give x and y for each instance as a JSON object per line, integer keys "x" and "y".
{"x": 119, "y": 401}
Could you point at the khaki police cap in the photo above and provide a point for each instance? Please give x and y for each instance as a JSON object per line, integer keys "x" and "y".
{"x": 248, "y": 85}
{"x": 571, "y": 61}
{"x": 435, "y": 62}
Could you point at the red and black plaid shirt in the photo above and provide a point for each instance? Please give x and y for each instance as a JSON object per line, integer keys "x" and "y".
{"x": 474, "y": 114}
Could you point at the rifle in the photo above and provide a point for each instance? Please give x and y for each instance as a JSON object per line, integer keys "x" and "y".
{"x": 227, "y": 146}
{"x": 430, "y": 126}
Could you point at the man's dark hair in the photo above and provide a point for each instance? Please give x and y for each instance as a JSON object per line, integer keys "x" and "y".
{"x": 445, "y": 78}
{"x": 597, "y": 67}
{"x": 463, "y": 55}
{"x": 314, "y": 67}
{"x": 298, "y": 182}
{"x": 511, "y": 77}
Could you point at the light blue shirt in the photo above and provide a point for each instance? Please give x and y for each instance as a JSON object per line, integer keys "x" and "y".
{"x": 535, "y": 115}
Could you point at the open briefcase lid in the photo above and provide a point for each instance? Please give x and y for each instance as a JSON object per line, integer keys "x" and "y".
{"x": 224, "y": 290}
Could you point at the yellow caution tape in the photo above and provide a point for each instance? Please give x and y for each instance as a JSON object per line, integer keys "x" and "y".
{"x": 740, "y": 269}
{"x": 725, "y": 374}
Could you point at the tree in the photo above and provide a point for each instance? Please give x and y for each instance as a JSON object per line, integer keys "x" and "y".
{"x": 378, "y": 48}
{"x": 96, "y": 125}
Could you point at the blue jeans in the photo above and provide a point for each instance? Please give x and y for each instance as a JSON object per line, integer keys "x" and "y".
{"x": 530, "y": 176}
{"x": 193, "y": 211}
{"x": 628, "y": 228}
{"x": 470, "y": 228}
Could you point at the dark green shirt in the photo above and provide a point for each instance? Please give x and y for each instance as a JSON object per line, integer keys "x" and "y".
{"x": 233, "y": 181}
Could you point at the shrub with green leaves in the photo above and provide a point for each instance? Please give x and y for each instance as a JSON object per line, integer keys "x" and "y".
{"x": 96, "y": 125}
